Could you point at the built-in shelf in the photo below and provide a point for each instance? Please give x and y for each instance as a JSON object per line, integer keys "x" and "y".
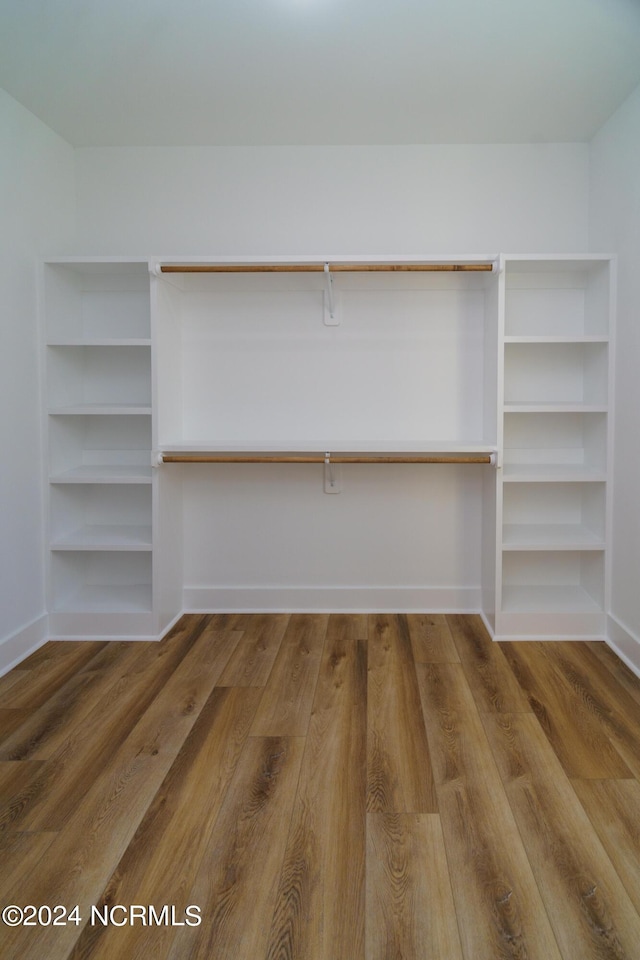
{"x": 566, "y": 598}
{"x": 101, "y": 342}
{"x": 100, "y": 409}
{"x": 103, "y": 473}
{"x": 568, "y": 406}
{"x": 555, "y": 446}
{"x": 95, "y": 301}
{"x": 550, "y": 536}
{"x": 100, "y": 449}
{"x": 557, "y": 297}
{"x": 372, "y": 446}
{"x": 555, "y": 376}
{"x": 106, "y": 374}
{"x": 98, "y": 598}
{"x": 109, "y": 580}
{"x": 552, "y": 473}
{"x": 558, "y": 339}
{"x": 106, "y": 537}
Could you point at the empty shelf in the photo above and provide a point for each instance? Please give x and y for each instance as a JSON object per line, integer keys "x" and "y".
{"x": 553, "y": 473}
{"x": 550, "y": 536}
{"x": 104, "y": 473}
{"x": 106, "y": 537}
{"x": 566, "y": 406}
{"x": 564, "y": 598}
{"x": 132, "y": 598}
{"x": 102, "y": 409}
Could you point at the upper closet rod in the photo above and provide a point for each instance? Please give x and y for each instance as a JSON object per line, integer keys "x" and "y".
{"x": 320, "y": 267}
{"x": 324, "y": 458}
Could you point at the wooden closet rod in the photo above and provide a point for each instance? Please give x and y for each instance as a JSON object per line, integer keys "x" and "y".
{"x": 320, "y": 458}
{"x": 319, "y": 267}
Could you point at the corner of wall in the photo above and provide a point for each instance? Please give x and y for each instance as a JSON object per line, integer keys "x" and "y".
{"x": 15, "y": 648}
{"x": 39, "y": 217}
{"x": 625, "y": 643}
{"x": 614, "y": 215}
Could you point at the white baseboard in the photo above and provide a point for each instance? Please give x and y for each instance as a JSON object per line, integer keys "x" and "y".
{"x": 17, "y": 646}
{"x": 332, "y": 599}
{"x": 545, "y": 638}
{"x": 105, "y": 638}
{"x": 169, "y": 625}
{"x": 490, "y": 629}
{"x": 625, "y": 643}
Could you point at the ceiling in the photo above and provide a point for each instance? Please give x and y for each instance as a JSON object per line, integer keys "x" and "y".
{"x": 197, "y": 72}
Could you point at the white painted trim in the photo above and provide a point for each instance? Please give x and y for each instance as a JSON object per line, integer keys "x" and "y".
{"x": 165, "y": 630}
{"x": 104, "y": 638}
{"x": 624, "y": 643}
{"x": 332, "y": 599}
{"x": 90, "y": 638}
{"x": 17, "y": 646}
{"x": 546, "y": 638}
{"x": 490, "y": 629}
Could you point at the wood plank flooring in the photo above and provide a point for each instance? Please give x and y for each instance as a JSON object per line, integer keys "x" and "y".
{"x": 321, "y": 787}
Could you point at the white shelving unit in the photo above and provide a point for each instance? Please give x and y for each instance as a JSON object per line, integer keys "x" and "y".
{"x": 554, "y": 488}
{"x": 142, "y": 366}
{"x": 99, "y": 414}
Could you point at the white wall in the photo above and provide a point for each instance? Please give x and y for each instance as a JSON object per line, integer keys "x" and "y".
{"x": 615, "y": 225}
{"x": 37, "y": 199}
{"x": 333, "y": 200}
{"x": 259, "y": 537}
{"x": 307, "y": 200}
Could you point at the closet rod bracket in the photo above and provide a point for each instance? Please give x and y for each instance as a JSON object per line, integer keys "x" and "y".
{"x": 331, "y": 306}
{"x": 332, "y": 476}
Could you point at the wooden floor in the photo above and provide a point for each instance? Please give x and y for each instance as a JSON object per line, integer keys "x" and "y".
{"x": 381, "y": 787}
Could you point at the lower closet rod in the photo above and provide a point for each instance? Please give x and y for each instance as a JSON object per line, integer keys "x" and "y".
{"x": 319, "y": 458}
